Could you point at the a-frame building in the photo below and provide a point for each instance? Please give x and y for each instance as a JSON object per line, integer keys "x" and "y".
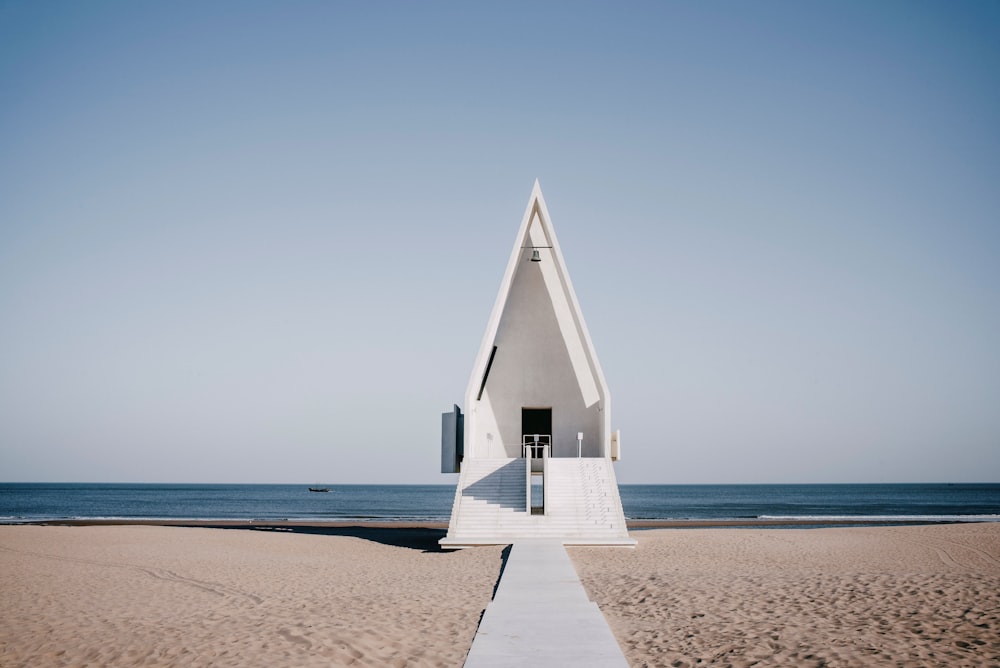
{"x": 534, "y": 448}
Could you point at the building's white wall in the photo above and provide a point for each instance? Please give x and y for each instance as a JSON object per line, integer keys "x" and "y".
{"x": 540, "y": 363}
{"x": 486, "y": 432}
{"x": 569, "y": 327}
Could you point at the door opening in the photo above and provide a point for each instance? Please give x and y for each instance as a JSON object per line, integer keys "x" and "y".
{"x": 536, "y": 422}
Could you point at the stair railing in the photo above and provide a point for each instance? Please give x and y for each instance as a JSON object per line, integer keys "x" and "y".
{"x": 536, "y": 446}
{"x": 545, "y": 482}
{"x": 527, "y": 486}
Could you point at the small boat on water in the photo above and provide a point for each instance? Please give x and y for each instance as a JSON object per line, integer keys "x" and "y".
{"x": 319, "y": 489}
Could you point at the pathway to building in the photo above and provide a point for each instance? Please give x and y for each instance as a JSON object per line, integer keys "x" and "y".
{"x": 541, "y": 616}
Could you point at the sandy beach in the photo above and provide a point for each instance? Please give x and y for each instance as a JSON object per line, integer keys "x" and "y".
{"x": 874, "y": 596}
{"x": 181, "y": 596}
{"x": 172, "y": 596}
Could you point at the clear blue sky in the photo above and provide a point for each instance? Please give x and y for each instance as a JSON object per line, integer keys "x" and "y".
{"x": 259, "y": 241}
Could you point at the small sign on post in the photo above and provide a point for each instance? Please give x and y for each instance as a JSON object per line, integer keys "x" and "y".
{"x": 579, "y": 444}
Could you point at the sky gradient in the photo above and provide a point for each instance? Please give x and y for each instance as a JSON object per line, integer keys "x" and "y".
{"x": 259, "y": 242}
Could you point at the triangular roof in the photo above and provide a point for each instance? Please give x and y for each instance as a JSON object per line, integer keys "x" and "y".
{"x": 574, "y": 330}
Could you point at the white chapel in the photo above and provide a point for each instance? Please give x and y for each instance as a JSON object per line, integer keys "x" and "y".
{"x": 534, "y": 447}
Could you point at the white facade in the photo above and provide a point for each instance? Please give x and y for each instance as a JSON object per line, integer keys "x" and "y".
{"x": 544, "y": 357}
{"x": 536, "y": 377}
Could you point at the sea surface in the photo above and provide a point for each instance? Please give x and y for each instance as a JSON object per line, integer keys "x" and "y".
{"x": 870, "y": 502}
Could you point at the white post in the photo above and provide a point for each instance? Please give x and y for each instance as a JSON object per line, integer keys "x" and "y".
{"x": 527, "y": 484}
{"x": 579, "y": 444}
{"x": 545, "y": 481}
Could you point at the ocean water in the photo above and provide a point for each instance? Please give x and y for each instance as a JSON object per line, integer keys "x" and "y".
{"x": 871, "y": 502}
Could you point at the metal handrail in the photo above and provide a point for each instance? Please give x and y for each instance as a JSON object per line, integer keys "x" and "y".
{"x": 539, "y": 445}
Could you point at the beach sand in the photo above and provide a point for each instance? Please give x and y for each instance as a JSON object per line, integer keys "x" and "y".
{"x": 874, "y": 596}
{"x": 175, "y": 596}
{"x": 170, "y": 596}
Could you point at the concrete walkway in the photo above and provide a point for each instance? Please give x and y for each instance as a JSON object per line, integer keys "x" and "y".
{"x": 541, "y": 616}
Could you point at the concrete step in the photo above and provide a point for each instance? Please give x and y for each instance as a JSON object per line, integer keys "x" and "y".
{"x": 582, "y": 501}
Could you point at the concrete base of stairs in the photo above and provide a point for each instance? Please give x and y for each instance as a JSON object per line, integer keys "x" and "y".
{"x": 582, "y": 504}
{"x": 541, "y": 616}
{"x": 461, "y": 543}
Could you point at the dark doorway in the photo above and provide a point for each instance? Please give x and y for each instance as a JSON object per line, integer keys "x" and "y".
{"x": 536, "y": 421}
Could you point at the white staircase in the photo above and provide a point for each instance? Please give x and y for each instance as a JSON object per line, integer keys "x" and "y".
{"x": 582, "y": 496}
